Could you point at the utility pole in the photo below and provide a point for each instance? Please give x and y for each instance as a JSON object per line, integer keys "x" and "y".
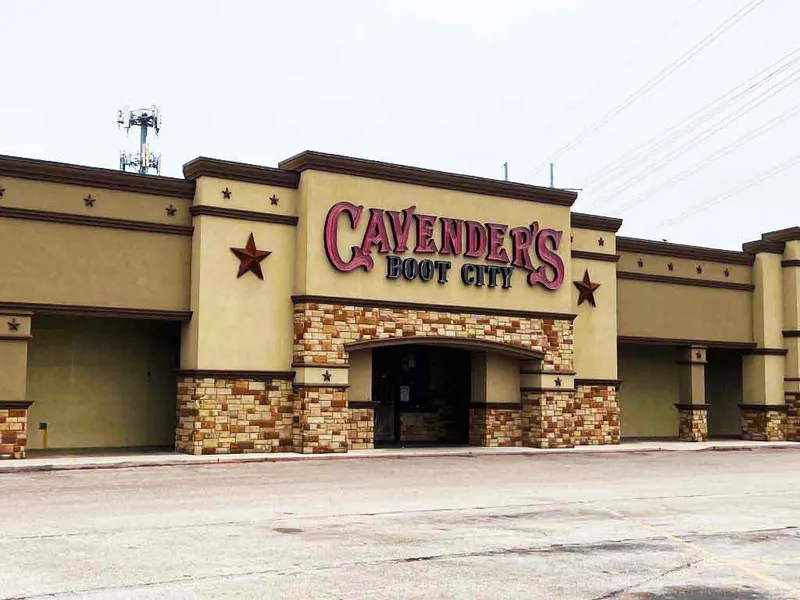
{"x": 505, "y": 171}
{"x": 552, "y": 175}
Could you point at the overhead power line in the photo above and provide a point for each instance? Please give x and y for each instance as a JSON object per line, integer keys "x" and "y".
{"x": 661, "y": 76}
{"x": 709, "y": 111}
{"x": 731, "y": 193}
{"x": 716, "y": 128}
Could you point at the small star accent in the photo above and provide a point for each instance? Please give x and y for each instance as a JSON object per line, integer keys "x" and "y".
{"x": 601, "y": 242}
{"x": 226, "y": 193}
{"x": 670, "y": 266}
{"x": 273, "y": 200}
{"x": 640, "y": 262}
{"x": 89, "y": 201}
{"x": 698, "y": 354}
{"x": 558, "y": 381}
{"x": 2, "y": 191}
{"x": 171, "y": 210}
{"x": 250, "y": 258}
{"x": 326, "y": 376}
{"x": 571, "y": 239}
{"x": 13, "y": 325}
{"x": 699, "y": 270}
{"x": 727, "y": 272}
{"x": 586, "y": 289}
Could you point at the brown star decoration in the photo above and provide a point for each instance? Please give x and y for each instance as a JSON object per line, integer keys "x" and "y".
{"x": 586, "y": 289}
{"x": 250, "y": 258}
{"x": 171, "y": 210}
{"x": 89, "y": 201}
{"x": 326, "y": 376}
{"x": 2, "y": 191}
{"x": 13, "y": 325}
{"x": 226, "y": 193}
{"x": 273, "y": 200}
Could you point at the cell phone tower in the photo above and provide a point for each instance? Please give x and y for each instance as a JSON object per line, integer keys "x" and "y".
{"x": 145, "y": 119}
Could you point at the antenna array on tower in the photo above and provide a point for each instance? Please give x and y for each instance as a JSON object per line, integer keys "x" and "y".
{"x": 143, "y": 161}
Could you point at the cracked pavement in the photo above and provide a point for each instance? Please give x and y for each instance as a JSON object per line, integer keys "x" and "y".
{"x": 699, "y": 525}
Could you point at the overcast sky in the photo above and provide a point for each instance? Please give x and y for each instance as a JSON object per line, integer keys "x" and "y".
{"x": 456, "y": 85}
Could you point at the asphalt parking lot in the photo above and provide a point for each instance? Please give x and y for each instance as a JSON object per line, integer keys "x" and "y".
{"x": 700, "y": 525}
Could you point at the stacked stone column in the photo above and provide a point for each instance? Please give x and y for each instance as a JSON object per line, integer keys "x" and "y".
{"x": 692, "y": 410}
{"x": 15, "y": 333}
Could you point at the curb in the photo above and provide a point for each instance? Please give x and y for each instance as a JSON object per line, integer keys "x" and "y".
{"x": 244, "y": 459}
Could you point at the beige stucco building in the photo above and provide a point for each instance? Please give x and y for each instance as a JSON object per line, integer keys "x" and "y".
{"x": 334, "y": 304}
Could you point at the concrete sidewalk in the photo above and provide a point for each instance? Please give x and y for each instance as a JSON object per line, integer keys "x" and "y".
{"x": 126, "y": 459}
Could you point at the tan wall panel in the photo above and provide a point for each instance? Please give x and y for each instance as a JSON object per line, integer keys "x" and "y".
{"x": 649, "y": 392}
{"x": 588, "y": 240}
{"x": 768, "y": 301}
{"x": 724, "y": 392}
{"x": 74, "y": 264}
{"x": 117, "y": 204}
{"x": 502, "y": 379}
{"x": 322, "y": 190}
{"x": 245, "y": 196}
{"x": 360, "y": 376}
{"x": 102, "y": 382}
{"x": 479, "y": 375}
{"x": 660, "y": 310}
{"x": 13, "y": 362}
{"x": 595, "y": 328}
{"x": 684, "y": 267}
{"x": 244, "y": 323}
{"x": 763, "y": 379}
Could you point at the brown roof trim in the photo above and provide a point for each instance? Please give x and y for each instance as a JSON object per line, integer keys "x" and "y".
{"x": 768, "y": 351}
{"x": 496, "y": 405}
{"x": 632, "y": 339}
{"x": 595, "y": 256}
{"x": 543, "y": 372}
{"x": 626, "y": 244}
{"x": 726, "y": 285}
{"x": 15, "y": 404}
{"x": 234, "y": 374}
{"x": 15, "y": 338}
{"x": 41, "y": 170}
{"x": 99, "y": 311}
{"x": 301, "y": 365}
{"x": 790, "y": 263}
{"x": 789, "y": 234}
{"x": 764, "y": 407}
{"x": 323, "y": 385}
{"x": 684, "y": 406}
{"x": 596, "y": 222}
{"x": 242, "y": 215}
{"x": 474, "y": 310}
{"x": 373, "y": 169}
{"x": 616, "y": 383}
{"x": 544, "y": 389}
{"x": 224, "y": 169}
{"x": 791, "y": 333}
{"x": 361, "y": 404}
{"x": 767, "y": 246}
{"x": 28, "y": 214}
{"x": 453, "y": 342}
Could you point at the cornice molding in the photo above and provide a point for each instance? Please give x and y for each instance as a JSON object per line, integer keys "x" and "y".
{"x": 110, "y": 179}
{"x": 595, "y": 256}
{"x": 235, "y": 374}
{"x": 626, "y": 244}
{"x": 358, "y": 167}
{"x": 223, "y": 169}
{"x": 764, "y": 407}
{"x": 768, "y": 351}
{"x": 242, "y": 215}
{"x": 763, "y": 246}
{"x": 476, "y": 310}
{"x": 682, "y": 343}
{"x": 15, "y": 404}
{"x": 616, "y": 383}
{"x": 28, "y": 214}
{"x": 496, "y": 405}
{"x": 98, "y": 311}
{"x": 726, "y": 285}
{"x": 595, "y": 222}
{"x": 790, "y": 234}
{"x": 793, "y": 262}
{"x": 15, "y": 338}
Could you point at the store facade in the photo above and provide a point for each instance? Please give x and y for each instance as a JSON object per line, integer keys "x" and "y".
{"x": 337, "y": 304}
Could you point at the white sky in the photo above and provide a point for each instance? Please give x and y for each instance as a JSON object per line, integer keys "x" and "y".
{"x": 456, "y": 85}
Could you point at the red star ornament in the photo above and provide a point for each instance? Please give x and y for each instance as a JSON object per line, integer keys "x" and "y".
{"x": 586, "y": 289}
{"x": 250, "y": 258}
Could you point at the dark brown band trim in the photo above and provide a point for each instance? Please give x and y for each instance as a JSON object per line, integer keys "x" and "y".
{"x": 626, "y": 244}
{"x": 541, "y": 372}
{"x": 768, "y": 351}
{"x": 616, "y": 383}
{"x": 99, "y": 311}
{"x": 790, "y": 263}
{"x": 372, "y": 169}
{"x": 546, "y": 389}
{"x": 15, "y": 338}
{"x": 474, "y": 310}
{"x": 453, "y": 342}
{"x": 322, "y": 385}
{"x": 110, "y": 179}
{"x": 791, "y": 378}
{"x": 299, "y": 365}
{"x": 496, "y": 405}
{"x": 15, "y": 404}
{"x": 764, "y": 407}
{"x": 766, "y": 246}
{"x": 595, "y": 256}
{"x": 212, "y": 167}
{"x": 360, "y": 405}
{"x": 782, "y": 235}
{"x": 726, "y": 285}
{"x": 692, "y": 406}
{"x": 242, "y": 215}
{"x": 598, "y": 223}
{"x": 681, "y": 343}
{"x": 233, "y": 374}
{"x": 791, "y": 333}
{"x": 70, "y": 219}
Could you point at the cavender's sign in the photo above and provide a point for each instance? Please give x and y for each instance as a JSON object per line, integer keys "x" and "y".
{"x": 456, "y": 237}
